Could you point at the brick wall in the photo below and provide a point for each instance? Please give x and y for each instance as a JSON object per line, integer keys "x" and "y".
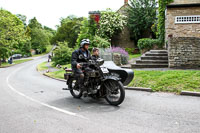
{"x": 182, "y": 30}
{"x": 184, "y": 52}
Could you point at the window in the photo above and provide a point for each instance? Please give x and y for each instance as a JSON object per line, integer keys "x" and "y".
{"x": 187, "y": 19}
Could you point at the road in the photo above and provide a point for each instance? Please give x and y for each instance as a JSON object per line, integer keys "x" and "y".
{"x": 33, "y": 103}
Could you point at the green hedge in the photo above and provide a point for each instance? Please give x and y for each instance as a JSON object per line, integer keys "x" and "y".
{"x": 147, "y": 43}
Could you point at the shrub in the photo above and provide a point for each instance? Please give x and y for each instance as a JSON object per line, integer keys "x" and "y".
{"x": 111, "y": 23}
{"x": 100, "y": 42}
{"x": 147, "y": 43}
{"x": 62, "y": 54}
{"x": 130, "y": 50}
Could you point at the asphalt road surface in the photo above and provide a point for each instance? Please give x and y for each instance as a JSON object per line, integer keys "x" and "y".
{"x": 33, "y": 103}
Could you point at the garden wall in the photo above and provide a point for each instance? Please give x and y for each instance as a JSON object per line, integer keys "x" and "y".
{"x": 184, "y": 52}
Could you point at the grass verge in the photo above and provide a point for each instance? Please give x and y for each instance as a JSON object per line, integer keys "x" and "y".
{"x": 15, "y": 62}
{"x": 56, "y": 74}
{"x": 134, "y": 56}
{"x": 42, "y": 66}
{"x": 60, "y": 73}
{"x": 49, "y": 47}
{"x": 167, "y": 81}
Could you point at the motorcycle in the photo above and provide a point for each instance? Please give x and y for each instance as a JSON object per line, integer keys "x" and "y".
{"x": 100, "y": 81}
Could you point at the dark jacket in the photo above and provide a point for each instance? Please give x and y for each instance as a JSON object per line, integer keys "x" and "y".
{"x": 94, "y": 57}
{"x": 76, "y": 58}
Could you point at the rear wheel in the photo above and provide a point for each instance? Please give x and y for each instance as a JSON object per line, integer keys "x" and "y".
{"x": 74, "y": 89}
{"x": 115, "y": 92}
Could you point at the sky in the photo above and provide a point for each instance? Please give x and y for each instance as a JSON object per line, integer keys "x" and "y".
{"x": 49, "y": 12}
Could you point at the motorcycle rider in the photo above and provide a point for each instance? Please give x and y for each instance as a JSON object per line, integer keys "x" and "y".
{"x": 80, "y": 55}
{"x": 95, "y": 54}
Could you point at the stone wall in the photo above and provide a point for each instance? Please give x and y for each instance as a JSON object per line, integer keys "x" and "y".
{"x": 185, "y": 1}
{"x": 181, "y": 30}
{"x": 123, "y": 39}
{"x": 184, "y": 52}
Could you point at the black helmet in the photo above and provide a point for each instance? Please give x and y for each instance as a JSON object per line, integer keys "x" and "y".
{"x": 83, "y": 42}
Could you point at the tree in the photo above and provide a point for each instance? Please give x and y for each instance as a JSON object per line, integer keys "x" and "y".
{"x": 33, "y": 23}
{"x": 49, "y": 32}
{"x": 110, "y": 23}
{"x": 39, "y": 40}
{"x": 22, "y": 18}
{"x": 40, "y": 37}
{"x": 86, "y": 31}
{"x": 12, "y": 33}
{"x": 142, "y": 15}
{"x": 68, "y": 31}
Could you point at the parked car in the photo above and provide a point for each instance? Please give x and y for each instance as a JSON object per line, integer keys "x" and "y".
{"x": 16, "y": 56}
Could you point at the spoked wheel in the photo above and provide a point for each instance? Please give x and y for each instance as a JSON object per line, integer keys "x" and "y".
{"x": 74, "y": 89}
{"x": 115, "y": 92}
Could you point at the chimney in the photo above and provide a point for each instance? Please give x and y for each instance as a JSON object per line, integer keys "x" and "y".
{"x": 125, "y": 2}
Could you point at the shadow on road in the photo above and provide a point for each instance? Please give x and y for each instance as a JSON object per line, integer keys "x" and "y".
{"x": 84, "y": 104}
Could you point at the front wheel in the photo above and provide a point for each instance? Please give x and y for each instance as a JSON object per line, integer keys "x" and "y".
{"x": 115, "y": 92}
{"x": 74, "y": 88}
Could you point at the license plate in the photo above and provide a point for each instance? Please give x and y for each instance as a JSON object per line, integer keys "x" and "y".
{"x": 104, "y": 70}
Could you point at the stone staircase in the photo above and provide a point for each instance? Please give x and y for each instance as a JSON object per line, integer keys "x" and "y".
{"x": 152, "y": 59}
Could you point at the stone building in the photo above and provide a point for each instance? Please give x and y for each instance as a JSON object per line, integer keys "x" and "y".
{"x": 123, "y": 38}
{"x": 183, "y": 19}
{"x": 183, "y": 33}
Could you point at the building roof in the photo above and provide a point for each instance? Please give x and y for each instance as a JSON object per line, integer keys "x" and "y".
{"x": 123, "y": 9}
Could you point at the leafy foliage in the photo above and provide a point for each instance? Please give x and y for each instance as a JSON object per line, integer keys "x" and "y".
{"x": 88, "y": 30}
{"x": 142, "y": 14}
{"x": 100, "y": 42}
{"x": 39, "y": 40}
{"x": 62, "y": 54}
{"x": 33, "y": 23}
{"x": 130, "y": 50}
{"x": 22, "y": 18}
{"x": 68, "y": 31}
{"x": 12, "y": 34}
{"x": 85, "y": 32}
{"x": 147, "y": 43}
{"x": 40, "y": 37}
{"x": 161, "y": 19}
{"x": 110, "y": 23}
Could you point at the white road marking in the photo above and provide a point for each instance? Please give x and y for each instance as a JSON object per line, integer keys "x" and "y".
{"x": 41, "y": 103}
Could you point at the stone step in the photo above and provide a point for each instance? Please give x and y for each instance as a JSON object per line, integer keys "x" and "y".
{"x": 155, "y": 54}
{"x": 154, "y": 57}
{"x": 158, "y": 51}
{"x": 139, "y": 61}
{"x": 149, "y": 65}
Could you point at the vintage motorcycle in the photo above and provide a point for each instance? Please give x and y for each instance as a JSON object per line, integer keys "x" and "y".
{"x": 102, "y": 80}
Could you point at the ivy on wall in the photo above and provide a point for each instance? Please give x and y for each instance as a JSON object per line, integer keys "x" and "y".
{"x": 161, "y": 19}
